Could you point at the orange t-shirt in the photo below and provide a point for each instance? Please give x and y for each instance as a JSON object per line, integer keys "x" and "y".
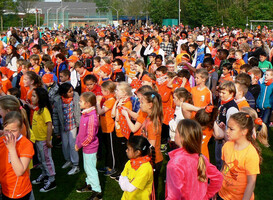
{"x": 106, "y": 121}
{"x": 29, "y": 95}
{"x": 223, "y": 78}
{"x": 6, "y": 84}
{"x": 237, "y": 166}
{"x": 121, "y": 126}
{"x": 83, "y": 86}
{"x": 35, "y": 69}
{"x": 141, "y": 118}
{"x": 207, "y": 133}
{"x": 151, "y": 133}
{"x": 242, "y": 104}
{"x": 167, "y": 102}
{"x": 24, "y": 89}
{"x": 201, "y": 98}
{"x": 14, "y": 186}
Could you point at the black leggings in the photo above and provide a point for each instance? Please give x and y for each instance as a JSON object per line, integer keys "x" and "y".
{"x": 26, "y": 197}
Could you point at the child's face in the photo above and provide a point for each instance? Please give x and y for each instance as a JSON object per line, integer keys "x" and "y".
{"x": 239, "y": 94}
{"x": 83, "y": 103}
{"x": 238, "y": 56}
{"x": 176, "y": 100}
{"x": 116, "y": 66}
{"x": 225, "y": 71}
{"x": 262, "y": 58}
{"x": 27, "y": 82}
{"x": 34, "y": 98}
{"x": 102, "y": 62}
{"x": 80, "y": 70}
{"x": 59, "y": 60}
{"x": 170, "y": 67}
{"x": 13, "y": 128}
{"x": 35, "y": 51}
{"x": 70, "y": 93}
{"x": 96, "y": 63}
{"x": 208, "y": 66}
{"x": 120, "y": 93}
{"x": 191, "y": 49}
{"x": 225, "y": 95}
{"x": 159, "y": 74}
{"x": 145, "y": 106}
{"x": 234, "y": 132}
{"x": 32, "y": 62}
{"x": 151, "y": 58}
{"x": 158, "y": 62}
{"x": 90, "y": 85}
{"x": 104, "y": 91}
{"x": 131, "y": 154}
{"x": 63, "y": 78}
{"x": 243, "y": 71}
{"x": 71, "y": 64}
{"x": 268, "y": 75}
{"x": 138, "y": 67}
{"x": 198, "y": 79}
{"x": 24, "y": 69}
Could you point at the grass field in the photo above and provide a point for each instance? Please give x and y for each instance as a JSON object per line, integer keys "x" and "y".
{"x": 66, "y": 185}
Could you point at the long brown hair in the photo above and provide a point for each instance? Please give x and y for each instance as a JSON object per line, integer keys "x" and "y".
{"x": 157, "y": 109}
{"x": 245, "y": 121}
{"x": 192, "y": 135}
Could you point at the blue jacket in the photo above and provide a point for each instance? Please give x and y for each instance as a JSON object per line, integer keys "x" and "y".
{"x": 59, "y": 68}
{"x": 265, "y": 98}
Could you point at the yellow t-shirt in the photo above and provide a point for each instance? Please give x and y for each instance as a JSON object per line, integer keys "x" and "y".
{"x": 39, "y": 126}
{"x": 142, "y": 179}
{"x": 238, "y": 165}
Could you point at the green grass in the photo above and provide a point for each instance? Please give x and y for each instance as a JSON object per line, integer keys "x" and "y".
{"x": 66, "y": 185}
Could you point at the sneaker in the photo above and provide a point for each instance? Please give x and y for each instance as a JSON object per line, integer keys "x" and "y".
{"x": 95, "y": 196}
{"x": 66, "y": 165}
{"x": 104, "y": 169}
{"x": 115, "y": 175}
{"x": 117, "y": 178}
{"x": 85, "y": 188}
{"x": 74, "y": 170}
{"x": 163, "y": 147}
{"x": 48, "y": 186}
{"x": 109, "y": 172}
{"x": 40, "y": 179}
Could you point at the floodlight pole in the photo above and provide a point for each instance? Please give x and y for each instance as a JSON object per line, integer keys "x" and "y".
{"x": 63, "y": 12}
{"x": 47, "y": 12}
{"x": 115, "y": 10}
{"x": 179, "y": 10}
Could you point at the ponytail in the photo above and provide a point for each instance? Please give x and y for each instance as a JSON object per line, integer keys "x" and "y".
{"x": 262, "y": 136}
{"x": 201, "y": 169}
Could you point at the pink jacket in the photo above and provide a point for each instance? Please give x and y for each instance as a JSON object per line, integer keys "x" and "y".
{"x": 182, "y": 178}
{"x": 88, "y": 130}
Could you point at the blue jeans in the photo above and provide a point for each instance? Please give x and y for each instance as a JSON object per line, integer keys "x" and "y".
{"x": 89, "y": 163}
{"x": 265, "y": 115}
{"x": 218, "y": 153}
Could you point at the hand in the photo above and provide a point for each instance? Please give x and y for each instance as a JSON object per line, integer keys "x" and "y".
{"x": 222, "y": 126}
{"x": 10, "y": 141}
{"x": 76, "y": 148}
{"x": 124, "y": 112}
{"x": 48, "y": 144}
{"x": 1, "y": 133}
{"x": 99, "y": 98}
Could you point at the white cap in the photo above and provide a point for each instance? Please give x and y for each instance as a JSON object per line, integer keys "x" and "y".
{"x": 200, "y": 38}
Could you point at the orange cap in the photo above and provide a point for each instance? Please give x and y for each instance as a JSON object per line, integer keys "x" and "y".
{"x": 106, "y": 69}
{"x": 7, "y": 72}
{"x": 48, "y": 78}
{"x": 73, "y": 58}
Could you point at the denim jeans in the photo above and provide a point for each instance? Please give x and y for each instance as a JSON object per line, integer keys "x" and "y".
{"x": 265, "y": 115}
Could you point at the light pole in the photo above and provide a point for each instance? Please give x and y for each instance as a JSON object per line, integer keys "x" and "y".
{"x": 115, "y": 10}
{"x": 47, "y": 13}
{"x": 57, "y": 12}
{"x": 179, "y": 9}
{"x": 63, "y": 13}
{"x": 22, "y": 21}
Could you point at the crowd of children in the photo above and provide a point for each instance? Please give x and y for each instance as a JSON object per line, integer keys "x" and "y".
{"x": 128, "y": 95}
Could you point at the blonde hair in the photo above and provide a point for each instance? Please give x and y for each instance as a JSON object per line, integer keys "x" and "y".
{"x": 203, "y": 73}
{"x": 256, "y": 71}
{"x": 125, "y": 87}
{"x": 89, "y": 97}
{"x": 192, "y": 135}
{"x": 109, "y": 85}
{"x": 88, "y": 50}
{"x": 229, "y": 86}
{"x": 261, "y": 131}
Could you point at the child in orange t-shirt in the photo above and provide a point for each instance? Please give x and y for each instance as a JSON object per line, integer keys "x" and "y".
{"x": 25, "y": 68}
{"x": 96, "y": 68}
{"x": 5, "y": 82}
{"x": 226, "y": 76}
{"x": 123, "y": 94}
{"x": 241, "y": 157}
{"x": 151, "y": 128}
{"x": 239, "y": 60}
{"x": 107, "y": 122}
{"x": 35, "y": 62}
{"x": 167, "y": 102}
{"x": 79, "y": 67}
{"x": 206, "y": 117}
{"x": 16, "y": 152}
{"x": 241, "y": 90}
{"x": 201, "y": 95}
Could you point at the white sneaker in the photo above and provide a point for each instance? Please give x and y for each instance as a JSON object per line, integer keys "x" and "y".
{"x": 74, "y": 170}
{"x": 66, "y": 165}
